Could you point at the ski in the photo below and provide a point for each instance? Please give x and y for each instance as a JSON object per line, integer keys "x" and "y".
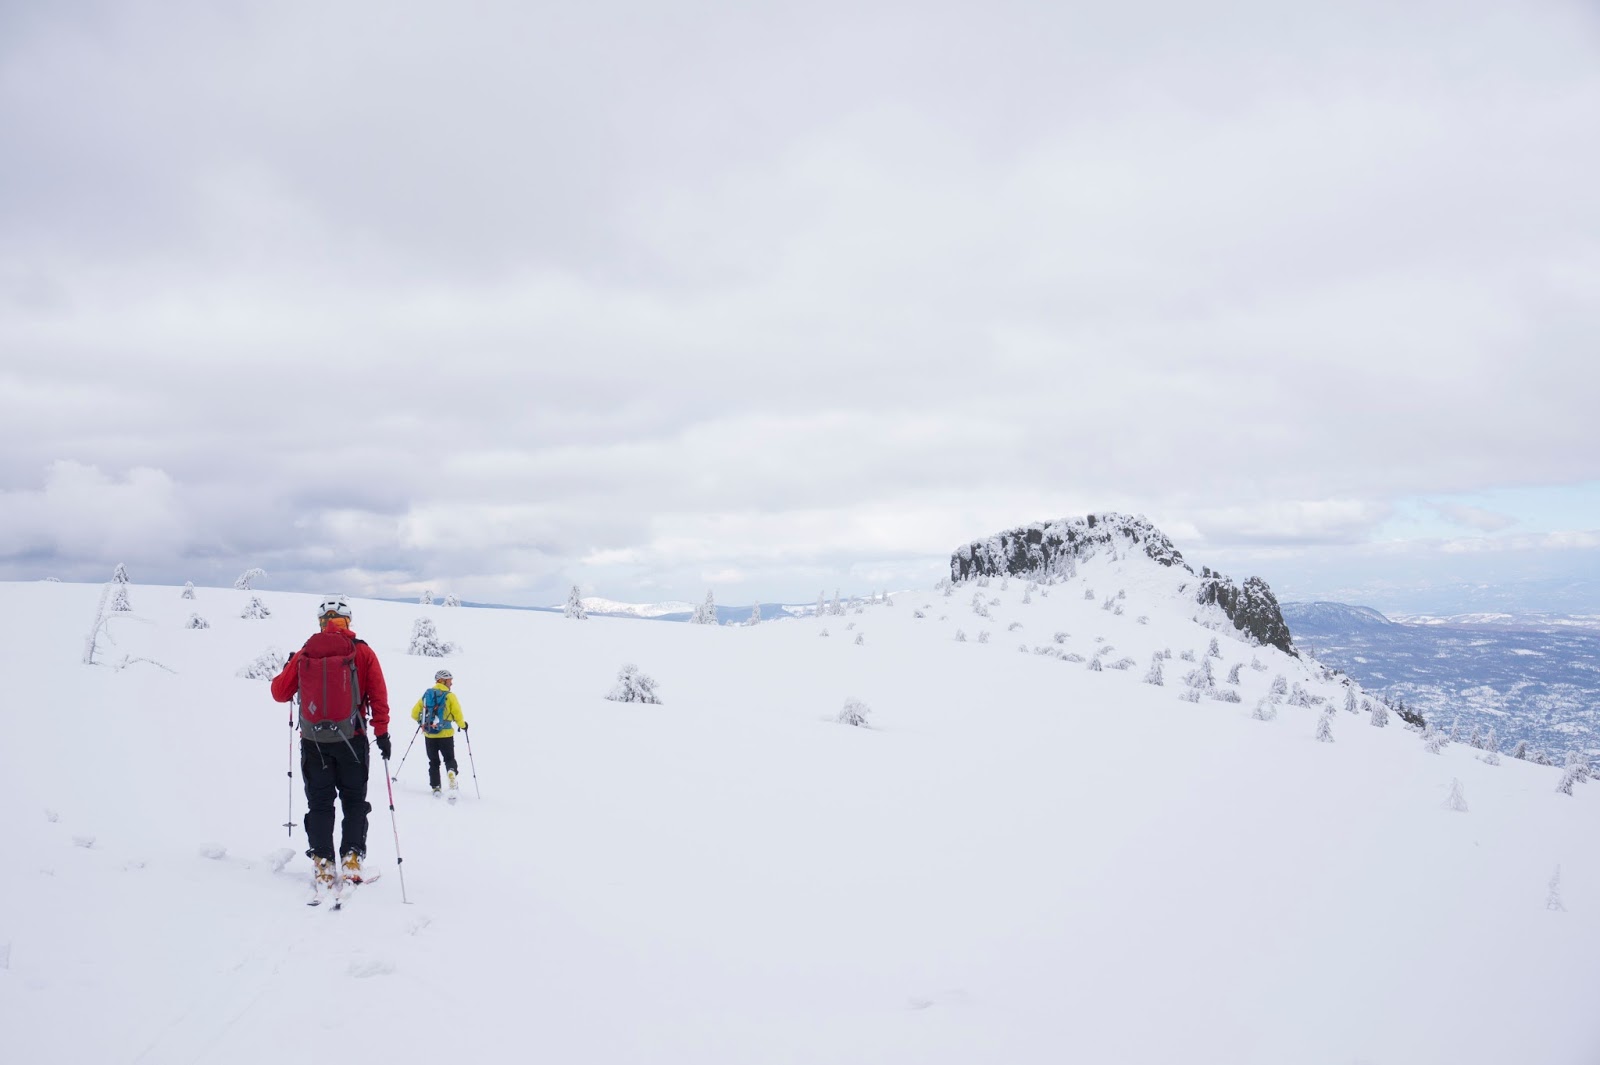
{"x": 346, "y": 888}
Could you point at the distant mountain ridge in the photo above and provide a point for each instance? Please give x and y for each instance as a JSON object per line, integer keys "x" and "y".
{"x": 1051, "y": 550}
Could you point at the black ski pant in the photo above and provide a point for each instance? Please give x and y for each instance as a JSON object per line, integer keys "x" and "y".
{"x": 440, "y": 746}
{"x": 329, "y": 769}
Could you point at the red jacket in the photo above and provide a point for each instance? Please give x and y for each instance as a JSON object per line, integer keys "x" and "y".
{"x": 369, "y": 675}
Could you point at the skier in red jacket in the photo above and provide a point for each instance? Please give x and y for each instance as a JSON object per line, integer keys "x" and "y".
{"x": 340, "y": 686}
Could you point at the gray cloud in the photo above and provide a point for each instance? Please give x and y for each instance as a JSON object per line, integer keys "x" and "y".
{"x": 392, "y": 295}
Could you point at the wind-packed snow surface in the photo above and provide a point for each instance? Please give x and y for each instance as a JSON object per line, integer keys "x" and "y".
{"x": 1022, "y": 859}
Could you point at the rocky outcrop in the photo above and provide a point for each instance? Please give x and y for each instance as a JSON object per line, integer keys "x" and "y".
{"x": 1050, "y": 550}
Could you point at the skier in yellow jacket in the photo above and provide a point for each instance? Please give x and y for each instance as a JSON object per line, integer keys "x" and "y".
{"x": 438, "y": 712}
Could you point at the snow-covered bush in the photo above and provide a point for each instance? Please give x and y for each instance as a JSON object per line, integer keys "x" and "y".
{"x": 1298, "y": 696}
{"x": 188, "y": 590}
{"x": 1350, "y": 706}
{"x": 1266, "y": 709}
{"x": 1476, "y": 739}
{"x": 1094, "y": 664}
{"x": 1153, "y": 674}
{"x": 1201, "y": 677}
{"x": 426, "y": 598}
{"x": 255, "y": 609}
{"x": 574, "y": 608}
{"x": 266, "y": 665}
{"x": 1280, "y": 685}
{"x": 196, "y": 622}
{"x": 824, "y": 631}
{"x": 1233, "y": 674}
{"x": 1122, "y": 663}
{"x": 1257, "y": 665}
{"x": 1143, "y": 619}
{"x": 1520, "y": 751}
{"x": 119, "y": 593}
{"x": 755, "y": 614}
{"x": 1225, "y": 695}
{"x": 822, "y": 605}
{"x": 706, "y": 612}
{"x": 1580, "y": 766}
{"x": 961, "y": 637}
{"x": 1061, "y": 637}
{"x": 120, "y": 574}
{"x": 918, "y": 614}
{"x": 1190, "y": 695}
{"x": 633, "y": 686}
{"x": 861, "y": 639}
{"x": 1070, "y": 656}
{"x": 452, "y": 600}
{"x": 1027, "y": 596}
{"x": 1088, "y": 593}
{"x": 854, "y": 713}
{"x": 1380, "y": 714}
{"x": 1014, "y": 626}
{"x": 1456, "y": 801}
{"x": 1214, "y": 651}
{"x": 1325, "y": 728}
{"x": 983, "y": 636}
{"x": 1434, "y": 740}
{"x": 1166, "y": 653}
{"x": 1187, "y": 656}
{"x": 425, "y": 640}
{"x": 246, "y": 580}
{"x": 979, "y": 606}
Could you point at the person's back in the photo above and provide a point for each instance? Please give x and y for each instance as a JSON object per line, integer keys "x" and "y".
{"x": 437, "y": 714}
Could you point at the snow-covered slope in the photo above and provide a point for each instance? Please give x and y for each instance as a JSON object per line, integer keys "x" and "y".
{"x": 1022, "y": 860}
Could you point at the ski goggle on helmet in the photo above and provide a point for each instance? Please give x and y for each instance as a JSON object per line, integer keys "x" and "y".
{"x": 336, "y": 607}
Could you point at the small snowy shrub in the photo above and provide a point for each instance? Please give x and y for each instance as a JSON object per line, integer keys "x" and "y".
{"x": 1257, "y": 665}
{"x": 850, "y": 626}
{"x": 1299, "y": 696}
{"x": 1280, "y": 685}
{"x": 1061, "y": 637}
{"x": 633, "y": 686}
{"x": 1225, "y": 695}
{"x": 1117, "y": 610}
{"x": 1350, "y": 706}
{"x": 1520, "y": 751}
{"x": 1380, "y": 714}
{"x": 1266, "y": 710}
{"x": 196, "y": 622}
{"x": 1166, "y": 652}
{"x": 1579, "y": 765}
{"x": 119, "y": 599}
{"x": 706, "y": 612}
{"x": 1187, "y": 656}
{"x": 979, "y": 607}
{"x": 255, "y": 609}
{"x": 1014, "y": 626}
{"x": 1027, "y": 597}
{"x": 1108, "y": 604}
{"x": 918, "y": 614}
{"x": 452, "y": 600}
{"x": 574, "y": 608}
{"x": 1153, "y": 674}
{"x": 1569, "y": 777}
{"x": 1071, "y": 656}
{"x": 426, "y": 598}
{"x": 425, "y": 640}
{"x": 1434, "y": 740}
{"x": 1214, "y": 651}
{"x": 861, "y": 639}
{"x": 1233, "y": 674}
{"x": 854, "y": 713}
{"x": 824, "y": 632}
{"x": 961, "y": 637}
{"x": 1094, "y": 664}
{"x": 247, "y": 579}
{"x": 120, "y": 574}
{"x": 1088, "y": 593}
{"x": 983, "y": 637}
{"x": 1190, "y": 695}
{"x": 266, "y": 665}
{"x": 1122, "y": 663}
{"x": 1456, "y": 801}
{"x": 1325, "y": 728}
{"x": 1476, "y": 739}
{"x": 188, "y": 590}
{"x": 1143, "y": 619}
{"x": 1045, "y": 649}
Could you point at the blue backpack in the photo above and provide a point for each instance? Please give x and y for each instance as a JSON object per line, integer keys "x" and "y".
{"x": 433, "y": 706}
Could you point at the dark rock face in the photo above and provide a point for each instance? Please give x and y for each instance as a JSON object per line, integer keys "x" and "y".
{"x": 1046, "y": 550}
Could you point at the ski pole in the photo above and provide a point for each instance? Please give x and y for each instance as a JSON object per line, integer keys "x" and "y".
{"x": 403, "y": 757}
{"x": 399, "y": 862}
{"x": 472, "y": 761}
{"x": 289, "y": 824}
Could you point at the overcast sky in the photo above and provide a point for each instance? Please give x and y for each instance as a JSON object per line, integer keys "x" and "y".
{"x": 495, "y": 298}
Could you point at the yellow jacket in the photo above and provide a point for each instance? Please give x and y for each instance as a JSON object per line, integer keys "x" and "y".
{"x": 452, "y": 714}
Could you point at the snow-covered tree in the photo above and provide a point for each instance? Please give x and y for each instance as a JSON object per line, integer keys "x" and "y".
{"x": 1201, "y": 678}
{"x": 1187, "y": 656}
{"x": 188, "y": 590}
{"x": 1280, "y": 685}
{"x": 426, "y": 598}
{"x": 1350, "y": 706}
{"x": 1257, "y": 665}
{"x": 1569, "y": 777}
{"x": 1233, "y": 674}
{"x": 1014, "y": 626}
{"x": 980, "y": 606}
{"x": 1456, "y": 801}
{"x": 706, "y": 612}
{"x": 1520, "y": 751}
{"x": 1266, "y": 709}
{"x": 854, "y": 713}
{"x": 425, "y": 640}
{"x": 961, "y": 637}
{"x": 120, "y": 574}
{"x": 1434, "y": 740}
{"x": 1088, "y": 593}
{"x": 983, "y": 636}
{"x": 1552, "y": 901}
{"x": 196, "y": 622}
{"x": 120, "y": 603}
{"x": 1580, "y": 766}
{"x": 1491, "y": 749}
{"x": 886, "y": 600}
{"x": 755, "y": 614}
{"x": 838, "y": 604}
{"x": 255, "y": 609}
{"x": 451, "y": 600}
{"x": 574, "y": 608}
{"x": 822, "y": 604}
{"x": 1380, "y": 715}
{"x": 1476, "y": 739}
{"x": 1094, "y": 664}
{"x": 1455, "y": 729}
{"x": 861, "y": 639}
{"x": 1325, "y": 728}
{"x": 1214, "y": 651}
{"x": 246, "y": 580}
{"x": 1153, "y": 674}
{"x": 634, "y": 687}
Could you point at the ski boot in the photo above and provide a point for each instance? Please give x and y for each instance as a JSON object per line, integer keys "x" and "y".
{"x": 437, "y": 793}
{"x": 351, "y": 869}
{"x": 322, "y": 871}
{"x": 452, "y": 786}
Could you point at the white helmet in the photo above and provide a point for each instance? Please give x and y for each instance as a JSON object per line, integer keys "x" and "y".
{"x": 443, "y": 674}
{"x": 335, "y": 606}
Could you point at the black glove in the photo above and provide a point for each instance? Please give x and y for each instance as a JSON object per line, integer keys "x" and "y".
{"x": 463, "y": 726}
{"x": 383, "y": 746}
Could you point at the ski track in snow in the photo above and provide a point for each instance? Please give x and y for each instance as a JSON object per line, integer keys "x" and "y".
{"x": 1021, "y": 860}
